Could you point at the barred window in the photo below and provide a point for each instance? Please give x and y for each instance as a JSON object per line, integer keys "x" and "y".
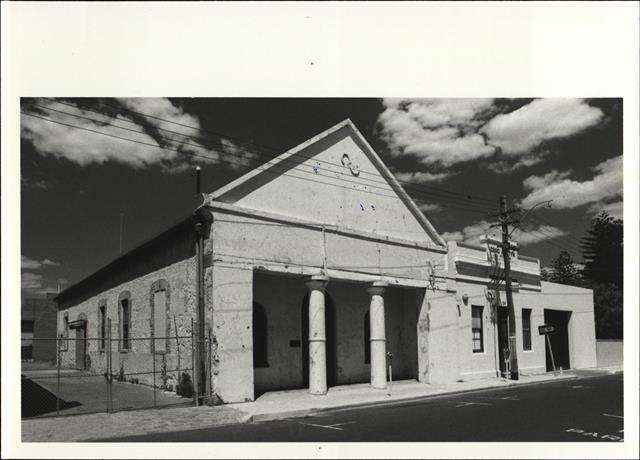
{"x": 526, "y": 329}
{"x": 476, "y": 328}
{"x": 124, "y": 313}
{"x": 102, "y": 325}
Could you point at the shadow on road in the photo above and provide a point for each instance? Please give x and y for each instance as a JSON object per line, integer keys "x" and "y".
{"x": 37, "y": 400}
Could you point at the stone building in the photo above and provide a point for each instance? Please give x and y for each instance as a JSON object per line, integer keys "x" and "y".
{"x": 308, "y": 270}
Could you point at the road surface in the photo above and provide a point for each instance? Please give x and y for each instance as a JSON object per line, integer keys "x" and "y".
{"x": 573, "y": 410}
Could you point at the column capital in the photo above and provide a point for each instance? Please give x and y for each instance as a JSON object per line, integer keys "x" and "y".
{"x": 316, "y": 282}
{"x": 377, "y": 287}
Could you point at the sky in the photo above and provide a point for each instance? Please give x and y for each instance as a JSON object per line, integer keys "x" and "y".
{"x": 81, "y": 181}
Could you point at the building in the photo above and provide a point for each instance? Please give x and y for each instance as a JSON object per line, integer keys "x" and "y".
{"x": 307, "y": 271}
{"x": 38, "y": 323}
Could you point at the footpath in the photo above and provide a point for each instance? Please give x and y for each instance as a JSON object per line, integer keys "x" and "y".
{"x": 270, "y": 406}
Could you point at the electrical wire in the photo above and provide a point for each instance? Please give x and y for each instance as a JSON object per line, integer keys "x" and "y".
{"x": 273, "y": 167}
{"x": 277, "y": 150}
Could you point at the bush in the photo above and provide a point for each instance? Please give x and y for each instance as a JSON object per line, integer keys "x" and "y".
{"x": 185, "y": 386}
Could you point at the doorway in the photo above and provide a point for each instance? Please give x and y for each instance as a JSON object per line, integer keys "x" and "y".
{"x": 330, "y": 332}
{"x": 81, "y": 347}
{"x": 559, "y": 339}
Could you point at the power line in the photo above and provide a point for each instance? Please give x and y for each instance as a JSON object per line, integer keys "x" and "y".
{"x": 465, "y": 206}
{"x": 277, "y": 150}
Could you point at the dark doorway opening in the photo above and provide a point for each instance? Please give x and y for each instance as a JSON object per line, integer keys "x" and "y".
{"x": 559, "y": 339}
{"x": 81, "y": 347}
{"x": 330, "y": 331}
{"x": 503, "y": 340}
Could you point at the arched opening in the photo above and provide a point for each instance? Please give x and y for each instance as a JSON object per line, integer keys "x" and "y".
{"x": 330, "y": 331}
{"x": 260, "y": 337}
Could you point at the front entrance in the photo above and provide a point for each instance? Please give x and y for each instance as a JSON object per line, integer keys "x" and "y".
{"x": 330, "y": 333}
{"x": 81, "y": 347}
{"x": 503, "y": 340}
{"x": 559, "y": 339}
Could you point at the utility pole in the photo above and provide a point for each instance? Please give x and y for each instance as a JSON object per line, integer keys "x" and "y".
{"x": 121, "y": 219}
{"x": 511, "y": 313}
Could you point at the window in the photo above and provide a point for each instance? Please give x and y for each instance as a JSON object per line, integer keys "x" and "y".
{"x": 102, "y": 326}
{"x": 124, "y": 314}
{"x": 65, "y": 333}
{"x": 476, "y": 328}
{"x": 526, "y": 329}
{"x": 260, "y": 337}
{"x": 367, "y": 339}
{"x": 160, "y": 321}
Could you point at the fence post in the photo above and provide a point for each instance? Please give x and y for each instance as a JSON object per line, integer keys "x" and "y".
{"x": 58, "y": 377}
{"x": 153, "y": 358}
{"x": 194, "y": 372}
{"x": 110, "y": 361}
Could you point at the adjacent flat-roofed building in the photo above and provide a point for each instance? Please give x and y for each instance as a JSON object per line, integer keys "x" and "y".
{"x": 309, "y": 270}
{"x": 38, "y": 328}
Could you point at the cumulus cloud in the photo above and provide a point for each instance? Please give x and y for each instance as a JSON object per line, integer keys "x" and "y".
{"x": 522, "y": 130}
{"x": 536, "y": 234}
{"x": 421, "y": 177}
{"x": 35, "y": 184}
{"x": 30, "y": 264}
{"x": 167, "y": 137}
{"x": 450, "y": 131}
{"x": 471, "y": 234}
{"x": 428, "y": 207}
{"x": 614, "y": 209}
{"x": 31, "y": 281}
{"x": 568, "y": 193}
{"x": 436, "y": 131}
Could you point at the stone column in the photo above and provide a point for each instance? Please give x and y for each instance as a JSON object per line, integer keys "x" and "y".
{"x": 317, "y": 337}
{"x": 377, "y": 335}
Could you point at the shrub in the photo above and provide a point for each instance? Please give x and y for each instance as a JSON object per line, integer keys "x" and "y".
{"x": 185, "y": 386}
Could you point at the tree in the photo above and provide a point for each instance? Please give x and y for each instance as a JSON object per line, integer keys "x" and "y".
{"x": 563, "y": 270}
{"x": 603, "y": 255}
{"x": 602, "y": 250}
{"x": 607, "y": 302}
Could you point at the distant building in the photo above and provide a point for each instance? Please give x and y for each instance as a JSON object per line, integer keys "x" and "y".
{"x": 38, "y": 321}
{"x": 310, "y": 269}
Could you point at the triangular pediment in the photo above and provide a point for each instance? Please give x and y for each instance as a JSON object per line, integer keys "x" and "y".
{"x": 335, "y": 179}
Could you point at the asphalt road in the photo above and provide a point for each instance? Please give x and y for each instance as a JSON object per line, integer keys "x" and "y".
{"x": 574, "y": 410}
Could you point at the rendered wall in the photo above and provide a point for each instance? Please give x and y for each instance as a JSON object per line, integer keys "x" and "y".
{"x": 609, "y": 352}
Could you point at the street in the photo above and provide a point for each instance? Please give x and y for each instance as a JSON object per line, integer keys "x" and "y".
{"x": 573, "y": 410}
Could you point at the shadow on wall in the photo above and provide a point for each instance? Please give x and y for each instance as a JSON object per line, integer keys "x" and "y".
{"x": 37, "y": 400}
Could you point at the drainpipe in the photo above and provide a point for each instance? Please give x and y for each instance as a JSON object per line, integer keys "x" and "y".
{"x": 203, "y": 219}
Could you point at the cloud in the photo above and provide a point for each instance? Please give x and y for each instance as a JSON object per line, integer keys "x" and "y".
{"x": 568, "y": 193}
{"x": 150, "y": 142}
{"x": 613, "y": 209}
{"x": 520, "y": 131}
{"x": 31, "y": 281}
{"x": 428, "y": 207}
{"x": 536, "y": 234}
{"x": 34, "y": 184}
{"x": 471, "y": 234}
{"x": 421, "y": 177}
{"x": 436, "y": 131}
{"x": 30, "y": 264}
{"x": 446, "y": 132}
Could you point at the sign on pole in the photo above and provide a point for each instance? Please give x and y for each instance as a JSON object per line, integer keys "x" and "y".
{"x": 546, "y": 329}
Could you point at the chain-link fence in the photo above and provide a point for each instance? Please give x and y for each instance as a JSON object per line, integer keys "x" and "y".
{"x": 108, "y": 374}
